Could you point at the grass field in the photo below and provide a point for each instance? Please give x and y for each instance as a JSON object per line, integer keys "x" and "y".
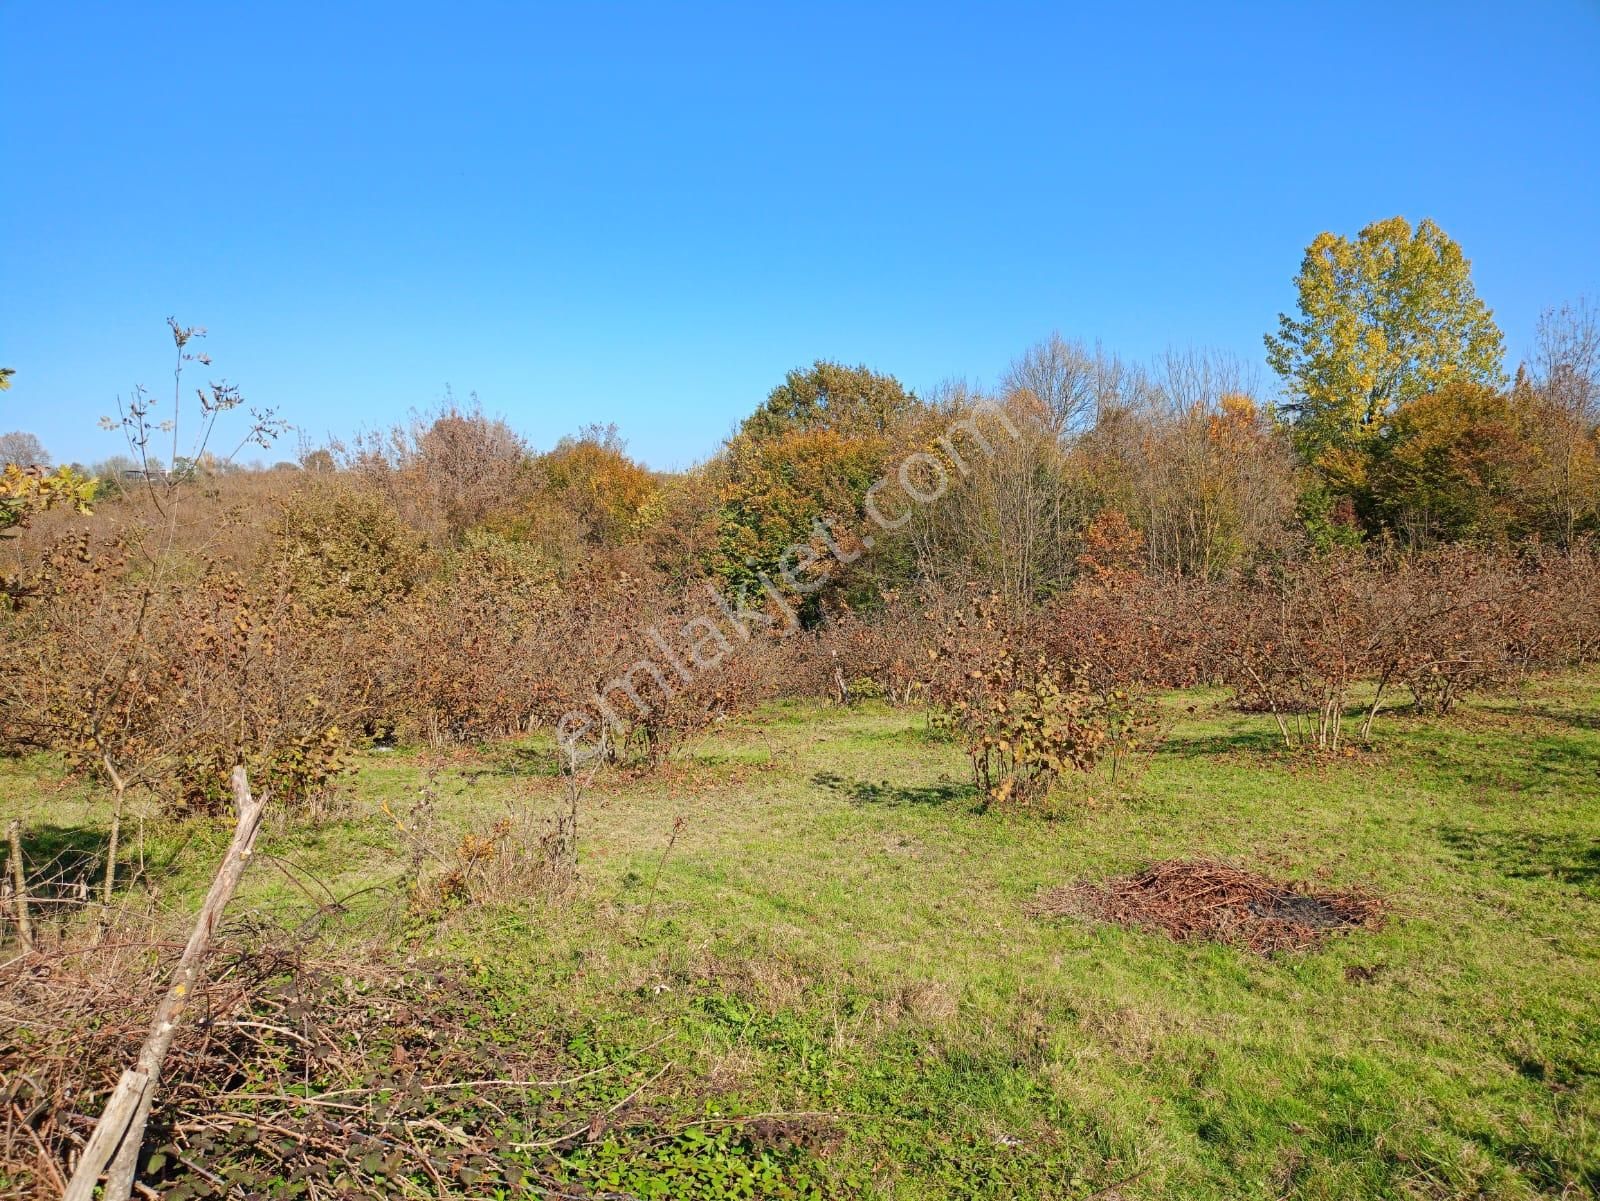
{"x": 838, "y": 930}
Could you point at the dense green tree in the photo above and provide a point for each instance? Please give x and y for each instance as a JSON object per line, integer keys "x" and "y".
{"x": 1383, "y": 319}
{"x": 1454, "y": 465}
{"x": 853, "y": 401}
{"x": 779, "y": 488}
{"x": 810, "y": 454}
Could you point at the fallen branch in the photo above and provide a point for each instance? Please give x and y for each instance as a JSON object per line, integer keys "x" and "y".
{"x": 120, "y": 1131}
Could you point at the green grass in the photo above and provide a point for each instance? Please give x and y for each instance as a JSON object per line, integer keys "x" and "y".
{"x": 839, "y": 929}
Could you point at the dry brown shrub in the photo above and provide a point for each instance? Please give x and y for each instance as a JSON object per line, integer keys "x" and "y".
{"x": 163, "y": 677}
{"x": 882, "y": 652}
{"x": 343, "y": 550}
{"x": 1563, "y": 627}
{"x": 514, "y": 854}
{"x": 1294, "y": 640}
{"x": 446, "y": 471}
{"x": 1025, "y": 718}
{"x": 1128, "y": 631}
{"x": 480, "y": 651}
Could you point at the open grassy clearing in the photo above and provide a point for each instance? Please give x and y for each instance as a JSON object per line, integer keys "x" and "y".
{"x": 837, "y": 930}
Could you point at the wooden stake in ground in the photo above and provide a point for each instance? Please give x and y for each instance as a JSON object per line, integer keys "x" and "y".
{"x": 120, "y": 787}
{"x": 120, "y": 1131}
{"x": 19, "y": 884}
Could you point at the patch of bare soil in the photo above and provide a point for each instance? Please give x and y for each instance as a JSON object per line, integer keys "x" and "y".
{"x": 1188, "y": 899}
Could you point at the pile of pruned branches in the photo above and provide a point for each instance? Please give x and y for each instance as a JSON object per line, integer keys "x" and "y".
{"x": 320, "y": 1074}
{"x": 1204, "y": 899}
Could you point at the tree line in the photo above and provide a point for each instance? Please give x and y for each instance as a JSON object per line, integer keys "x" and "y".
{"x": 442, "y": 580}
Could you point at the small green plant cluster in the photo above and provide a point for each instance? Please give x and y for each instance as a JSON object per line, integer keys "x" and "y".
{"x": 732, "y": 1162}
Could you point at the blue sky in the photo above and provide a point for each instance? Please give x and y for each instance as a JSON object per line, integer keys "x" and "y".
{"x": 647, "y": 214}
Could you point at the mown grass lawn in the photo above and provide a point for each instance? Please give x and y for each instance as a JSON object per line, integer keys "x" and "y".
{"x": 838, "y": 930}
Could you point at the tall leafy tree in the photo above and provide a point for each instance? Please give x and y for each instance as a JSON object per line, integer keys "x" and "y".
{"x": 597, "y": 482}
{"x": 1563, "y": 395}
{"x": 1383, "y": 320}
{"x": 1451, "y": 466}
{"x": 854, "y": 401}
{"x": 811, "y": 452}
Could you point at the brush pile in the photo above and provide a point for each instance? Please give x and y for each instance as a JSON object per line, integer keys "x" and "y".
{"x": 325, "y": 1074}
{"x": 1189, "y": 899}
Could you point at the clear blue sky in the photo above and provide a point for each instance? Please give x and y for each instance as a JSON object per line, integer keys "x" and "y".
{"x": 647, "y": 214}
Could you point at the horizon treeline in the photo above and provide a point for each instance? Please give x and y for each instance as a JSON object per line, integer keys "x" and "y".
{"x": 1395, "y": 423}
{"x": 1087, "y": 531}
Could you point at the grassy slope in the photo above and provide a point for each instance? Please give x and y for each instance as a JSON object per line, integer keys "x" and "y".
{"x": 837, "y": 929}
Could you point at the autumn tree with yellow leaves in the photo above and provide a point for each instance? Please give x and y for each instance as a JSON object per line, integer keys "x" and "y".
{"x": 1384, "y": 319}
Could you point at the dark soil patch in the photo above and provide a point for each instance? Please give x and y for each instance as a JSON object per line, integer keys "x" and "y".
{"x": 1188, "y": 899}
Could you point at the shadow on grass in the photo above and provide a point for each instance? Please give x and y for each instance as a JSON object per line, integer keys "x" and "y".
{"x": 65, "y": 866}
{"x": 913, "y": 734}
{"x": 1500, "y": 770}
{"x": 518, "y": 761}
{"x": 1577, "y": 719}
{"x": 1569, "y": 859}
{"x": 1202, "y": 746}
{"x": 1553, "y": 1173}
{"x": 61, "y": 860}
{"x": 865, "y": 792}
